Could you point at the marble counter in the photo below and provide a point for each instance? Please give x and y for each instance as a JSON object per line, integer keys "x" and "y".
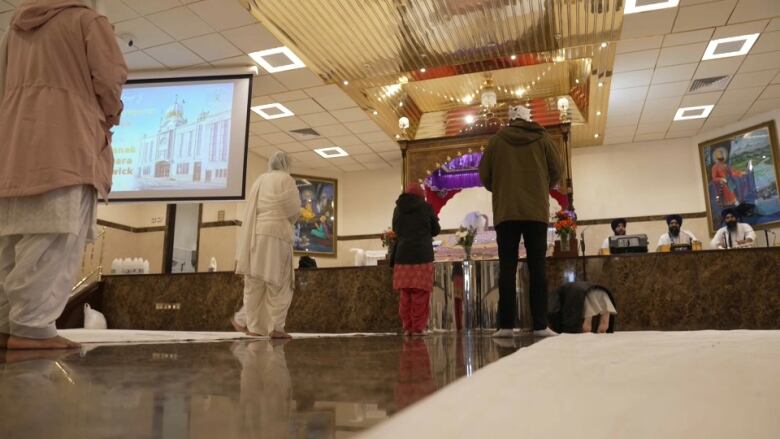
{"x": 656, "y": 291}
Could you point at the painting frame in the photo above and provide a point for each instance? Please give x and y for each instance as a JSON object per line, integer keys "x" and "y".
{"x": 328, "y": 246}
{"x": 708, "y": 154}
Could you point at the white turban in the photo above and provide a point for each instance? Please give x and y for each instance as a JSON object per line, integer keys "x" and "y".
{"x": 279, "y": 161}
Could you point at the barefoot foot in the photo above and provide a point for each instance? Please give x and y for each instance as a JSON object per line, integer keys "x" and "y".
{"x": 587, "y": 326}
{"x": 603, "y": 323}
{"x": 237, "y": 326}
{"x": 279, "y": 334}
{"x": 44, "y": 343}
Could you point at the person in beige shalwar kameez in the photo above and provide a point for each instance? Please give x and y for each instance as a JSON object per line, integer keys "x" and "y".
{"x": 61, "y": 77}
{"x": 265, "y": 250}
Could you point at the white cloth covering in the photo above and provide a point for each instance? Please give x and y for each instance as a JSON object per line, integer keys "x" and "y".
{"x": 37, "y": 268}
{"x": 685, "y": 237}
{"x": 605, "y": 244}
{"x": 596, "y": 302}
{"x": 743, "y": 233}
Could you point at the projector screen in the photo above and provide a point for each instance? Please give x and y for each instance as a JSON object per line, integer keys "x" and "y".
{"x": 182, "y": 139}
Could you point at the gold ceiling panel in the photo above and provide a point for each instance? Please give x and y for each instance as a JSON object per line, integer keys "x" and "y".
{"x": 400, "y": 47}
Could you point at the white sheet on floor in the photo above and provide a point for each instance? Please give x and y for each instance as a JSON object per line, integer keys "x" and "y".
{"x": 706, "y": 384}
{"x": 120, "y": 336}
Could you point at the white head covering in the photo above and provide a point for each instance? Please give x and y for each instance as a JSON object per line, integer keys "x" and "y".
{"x": 279, "y": 161}
{"x": 477, "y": 220}
{"x": 520, "y": 112}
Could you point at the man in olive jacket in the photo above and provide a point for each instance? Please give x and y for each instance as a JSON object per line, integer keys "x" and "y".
{"x": 520, "y": 166}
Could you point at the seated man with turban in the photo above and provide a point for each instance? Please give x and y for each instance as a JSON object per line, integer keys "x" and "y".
{"x": 618, "y": 228}
{"x": 676, "y": 234}
{"x": 734, "y": 234}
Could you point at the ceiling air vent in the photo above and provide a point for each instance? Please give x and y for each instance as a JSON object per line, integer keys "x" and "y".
{"x": 707, "y": 84}
{"x": 305, "y": 133}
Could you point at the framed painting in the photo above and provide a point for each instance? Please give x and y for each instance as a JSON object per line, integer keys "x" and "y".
{"x": 740, "y": 171}
{"x": 315, "y": 230}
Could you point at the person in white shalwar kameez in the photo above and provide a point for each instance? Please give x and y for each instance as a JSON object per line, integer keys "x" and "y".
{"x": 265, "y": 251}
{"x": 734, "y": 234}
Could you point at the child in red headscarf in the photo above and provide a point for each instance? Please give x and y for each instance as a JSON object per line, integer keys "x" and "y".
{"x": 415, "y": 225}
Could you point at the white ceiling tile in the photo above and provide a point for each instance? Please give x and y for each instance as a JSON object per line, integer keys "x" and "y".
{"x": 694, "y": 2}
{"x": 223, "y": 15}
{"x": 620, "y": 120}
{"x": 352, "y": 168}
{"x": 718, "y": 67}
{"x": 174, "y": 55}
{"x": 289, "y": 123}
{"x": 748, "y": 94}
{"x": 625, "y": 98}
{"x": 180, "y": 23}
{"x": 319, "y": 119}
{"x": 767, "y": 42}
{"x": 377, "y": 165}
{"x": 304, "y": 106}
{"x": 257, "y": 141}
{"x": 353, "y": 114}
{"x": 631, "y": 79}
{"x": 335, "y": 101}
{"x": 617, "y": 140}
{"x": 777, "y": 79}
{"x": 261, "y": 100}
{"x": 761, "y": 61}
{"x": 774, "y": 25}
{"x": 752, "y": 79}
{"x": 292, "y": 147}
{"x": 675, "y": 55}
{"x": 266, "y": 85}
{"x": 647, "y": 137}
{"x": 626, "y": 62}
{"x": 346, "y": 140}
{"x": 338, "y": 161}
{"x": 667, "y": 90}
{"x": 391, "y": 156}
{"x": 139, "y": 60}
{"x": 369, "y": 158}
{"x": 298, "y": 79}
{"x": 687, "y": 125}
{"x": 236, "y": 61}
{"x": 384, "y": 146}
{"x": 620, "y": 131}
{"x": 655, "y": 127}
{"x": 374, "y": 137}
{"x": 771, "y": 92}
{"x": 145, "y": 33}
{"x": 700, "y": 99}
{"x": 732, "y": 109}
{"x": 765, "y": 105}
{"x": 648, "y": 23}
{"x": 116, "y": 11}
{"x": 356, "y": 149}
{"x": 662, "y": 107}
{"x": 146, "y": 7}
{"x": 266, "y": 151}
{"x": 212, "y": 47}
{"x": 252, "y": 38}
{"x": 263, "y": 127}
{"x": 682, "y": 134}
{"x": 333, "y": 130}
{"x": 748, "y": 10}
{"x": 318, "y": 143}
{"x": 719, "y": 121}
{"x": 278, "y": 138}
{"x": 736, "y": 30}
{"x": 683, "y": 38}
{"x": 674, "y": 73}
{"x": 703, "y": 16}
{"x": 637, "y": 44}
{"x": 306, "y": 157}
{"x": 361, "y": 127}
{"x": 290, "y": 96}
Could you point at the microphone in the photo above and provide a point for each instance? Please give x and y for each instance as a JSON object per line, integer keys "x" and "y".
{"x": 582, "y": 240}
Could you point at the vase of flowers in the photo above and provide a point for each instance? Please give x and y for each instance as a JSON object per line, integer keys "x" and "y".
{"x": 565, "y": 228}
{"x": 466, "y": 237}
{"x": 388, "y": 238}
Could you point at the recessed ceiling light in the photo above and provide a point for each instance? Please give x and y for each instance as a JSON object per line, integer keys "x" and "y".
{"x": 731, "y": 46}
{"x": 520, "y": 91}
{"x": 397, "y": 136}
{"x": 331, "y": 152}
{"x": 467, "y": 99}
{"x": 601, "y": 84}
{"x": 598, "y": 113}
{"x": 603, "y": 45}
{"x": 513, "y": 57}
{"x": 596, "y": 136}
{"x": 698, "y": 112}
{"x": 279, "y": 112}
{"x": 637, "y": 6}
{"x": 375, "y": 112}
{"x": 469, "y": 119}
{"x": 423, "y": 70}
{"x": 577, "y": 81}
{"x": 345, "y": 82}
{"x": 294, "y": 61}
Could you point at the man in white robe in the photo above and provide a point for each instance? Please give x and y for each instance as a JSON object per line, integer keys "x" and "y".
{"x": 676, "y": 234}
{"x": 265, "y": 251}
{"x": 734, "y": 234}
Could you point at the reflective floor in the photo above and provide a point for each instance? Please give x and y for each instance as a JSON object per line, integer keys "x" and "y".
{"x": 307, "y": 388}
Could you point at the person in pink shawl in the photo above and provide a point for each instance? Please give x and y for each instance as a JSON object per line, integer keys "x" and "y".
{"x": 61, "y": 77}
